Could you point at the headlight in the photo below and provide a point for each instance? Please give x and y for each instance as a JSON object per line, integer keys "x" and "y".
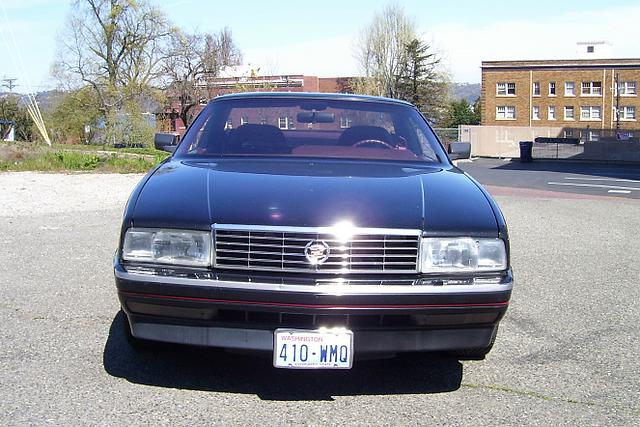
{"x": 461, "y": 255}
{"x": 177, "y": 247}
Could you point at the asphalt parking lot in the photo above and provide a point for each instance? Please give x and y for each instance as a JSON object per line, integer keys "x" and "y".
{"x": 567, "y": 352}
{"x": 589, "y": 179}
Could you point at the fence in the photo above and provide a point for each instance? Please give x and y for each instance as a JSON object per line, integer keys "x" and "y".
{"x": 553, "y": 142}
{"x": 448, "y": 135}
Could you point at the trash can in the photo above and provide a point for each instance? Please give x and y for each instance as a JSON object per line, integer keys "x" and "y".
{"x": 526, "y": 151}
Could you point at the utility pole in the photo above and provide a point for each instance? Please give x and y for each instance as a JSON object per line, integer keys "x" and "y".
{"x": 617, "y": 89}
{"x": 9, "y": 83}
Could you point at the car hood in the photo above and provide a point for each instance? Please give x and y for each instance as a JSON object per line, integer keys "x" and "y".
{"x": 311, "y": 194}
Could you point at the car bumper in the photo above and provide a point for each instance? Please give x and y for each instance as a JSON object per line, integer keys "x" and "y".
{"x": 242, "y": 314}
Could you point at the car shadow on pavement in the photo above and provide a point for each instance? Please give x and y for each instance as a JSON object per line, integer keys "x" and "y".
{"x": 611, "y": 170}
{"x": 204, "y": 369}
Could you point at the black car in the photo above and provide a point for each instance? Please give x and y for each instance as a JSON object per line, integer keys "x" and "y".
{"x": 315, "y": 227}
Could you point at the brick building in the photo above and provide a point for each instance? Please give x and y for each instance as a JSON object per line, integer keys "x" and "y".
{"x": 578, "y": 93}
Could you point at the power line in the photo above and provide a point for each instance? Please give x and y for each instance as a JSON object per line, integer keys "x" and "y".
{"x": 32, "y": 106}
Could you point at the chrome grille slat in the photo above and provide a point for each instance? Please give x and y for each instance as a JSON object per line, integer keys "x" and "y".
{"x": 253, "y": 236}
{"x": 282, "y": 249}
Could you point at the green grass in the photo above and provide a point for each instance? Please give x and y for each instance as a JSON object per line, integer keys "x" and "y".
{"x": 31, "y": 157}
{"x": 83, "y": 147}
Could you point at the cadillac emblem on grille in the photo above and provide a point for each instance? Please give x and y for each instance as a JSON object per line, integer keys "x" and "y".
{"x": 317, "y": 252}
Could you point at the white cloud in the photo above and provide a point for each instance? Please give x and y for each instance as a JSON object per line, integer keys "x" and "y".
{"x": 326, "y": 57}
{"x": 465, "y": 48}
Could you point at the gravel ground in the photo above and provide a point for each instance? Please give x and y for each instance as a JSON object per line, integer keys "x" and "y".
{"x": 32, "y": 193}
{"x": 567, "y": 352}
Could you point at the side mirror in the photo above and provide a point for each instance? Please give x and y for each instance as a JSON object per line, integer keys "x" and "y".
{"x": 459, "y": 150}
{"x": 166, "y": 141}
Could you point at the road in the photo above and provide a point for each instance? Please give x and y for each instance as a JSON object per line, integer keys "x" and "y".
{"x": 569, "y": 177}
{"x": 567, "y": 352}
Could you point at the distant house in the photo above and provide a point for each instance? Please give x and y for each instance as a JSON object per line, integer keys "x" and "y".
{"x": 7, "y": 130}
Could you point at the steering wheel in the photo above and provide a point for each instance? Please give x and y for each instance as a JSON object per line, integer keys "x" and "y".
{"x": 373, "y": 141}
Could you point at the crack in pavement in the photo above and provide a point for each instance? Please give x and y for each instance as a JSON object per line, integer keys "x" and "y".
{"x": 537, "y": 395}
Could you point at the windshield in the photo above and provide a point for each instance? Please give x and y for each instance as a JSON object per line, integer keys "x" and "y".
{"x": 296, "y": 127}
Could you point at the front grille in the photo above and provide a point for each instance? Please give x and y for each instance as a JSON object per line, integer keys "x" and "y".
{"x": 283, "y": 249}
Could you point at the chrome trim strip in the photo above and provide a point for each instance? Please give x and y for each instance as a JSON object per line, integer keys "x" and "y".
{"x": 312, "y": 270}
{"x": 329, "y": 289}
{"x": 321, "y": 230}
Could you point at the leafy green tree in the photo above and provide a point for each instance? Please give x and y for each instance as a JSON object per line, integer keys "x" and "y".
{"x": 461, "y": 113}
{"x": 116, "y": 48}
{"x": 72, "y": 112}
{"x": 477, "y": 111}
{"x": 10, "y": 109}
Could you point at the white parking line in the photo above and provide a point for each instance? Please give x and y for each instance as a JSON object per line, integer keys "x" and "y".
{"x": 577, "y": 184}
{"x": 619, "y": 191}
{"x": 601, "y": 179}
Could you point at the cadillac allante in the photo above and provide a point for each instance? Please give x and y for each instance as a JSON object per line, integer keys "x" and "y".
{"x": 315, "y": 227}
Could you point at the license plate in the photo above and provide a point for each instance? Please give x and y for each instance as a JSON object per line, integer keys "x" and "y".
{"x": 319, "y": 349}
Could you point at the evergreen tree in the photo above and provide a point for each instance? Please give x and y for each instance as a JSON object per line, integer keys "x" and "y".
{"x": 420, "y": 83}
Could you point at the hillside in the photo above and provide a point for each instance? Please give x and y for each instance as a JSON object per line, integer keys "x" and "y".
{"x": 468, "y": 91}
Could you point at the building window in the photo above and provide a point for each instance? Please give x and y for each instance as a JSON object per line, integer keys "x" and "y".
{"x": 286, "y": 123}
{"x": 569, "y": 89}
{"x": 505, "y": 112}
{"x": 552, "y": 89}
{"x": 535, "y": 113}
{"x": 345, "y": 122}
{"x": 627, "y": 113}
{"x": 569, "y": 113}
{"x": 228, "y": 125}
{"x": 592, "y": 88}
{"x": 628, "y": 88}
{"x": 590, "y": 113}
{"x": 568, "y": 133}
{"x": 552, "y": 113}
{"x": 593, "y": 136}
{"x": 536, "y": 88}
{"x": 504, "y": 89}
{"x": 244, "y": 120}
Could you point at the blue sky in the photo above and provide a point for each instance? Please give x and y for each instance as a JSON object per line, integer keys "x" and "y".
{"x": 317, "y": 38}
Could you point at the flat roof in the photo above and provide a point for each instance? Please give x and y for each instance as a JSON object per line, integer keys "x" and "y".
{"x": 563, "y": 63}
{"x": 312, "y": 95}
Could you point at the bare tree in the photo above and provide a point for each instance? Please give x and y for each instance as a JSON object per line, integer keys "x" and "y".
{"x": 114, "y": 46}
{"x": 190, "y": 63}
{"x": 394, "y": 62}
{"x": 381, "y": 51}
